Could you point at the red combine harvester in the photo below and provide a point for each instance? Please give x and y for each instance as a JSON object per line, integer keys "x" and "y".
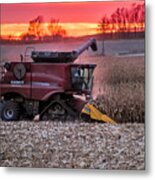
{"x": 48, "y": 86}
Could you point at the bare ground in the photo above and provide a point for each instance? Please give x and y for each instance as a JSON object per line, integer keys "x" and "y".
{"x": 56, "y": 144}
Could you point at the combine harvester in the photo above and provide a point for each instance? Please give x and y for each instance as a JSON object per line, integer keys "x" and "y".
{"x": 48, "y": 87}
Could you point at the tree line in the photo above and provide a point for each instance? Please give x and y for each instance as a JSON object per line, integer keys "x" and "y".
{"x": 124, "y": 20}
{"x": 37, "y": 30}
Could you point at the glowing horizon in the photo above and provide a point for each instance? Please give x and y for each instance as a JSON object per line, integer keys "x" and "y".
{"x": 77, "y": 19}
{"x": 73, "y": 29}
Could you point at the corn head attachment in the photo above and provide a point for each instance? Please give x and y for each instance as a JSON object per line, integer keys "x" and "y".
{"x": 90, "y": 112}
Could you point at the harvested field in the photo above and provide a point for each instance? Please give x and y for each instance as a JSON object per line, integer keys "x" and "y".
{"x": 72, "y": 145}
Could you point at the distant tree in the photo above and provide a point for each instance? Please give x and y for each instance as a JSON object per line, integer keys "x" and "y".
{"x": 27, "y": 37}
{"x": 137, "y": 16}
{"x": 55, "y": 29}
{"x": 124, "y": 27}
{"x": 118, "y": 20}
{"x": 103, "y": 27}
{"x": 35, "y": 28}
{"x": 10, "y": 37}
{"x": 104, "y": 24}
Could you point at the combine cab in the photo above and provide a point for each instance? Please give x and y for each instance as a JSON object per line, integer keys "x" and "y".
{"x": 51, "y": 86}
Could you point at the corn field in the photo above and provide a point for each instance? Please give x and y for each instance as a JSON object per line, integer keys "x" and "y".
{"x": 121, "y": 88}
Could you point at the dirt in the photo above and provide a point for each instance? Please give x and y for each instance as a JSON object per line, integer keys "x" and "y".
{"x": 56, "y": 144}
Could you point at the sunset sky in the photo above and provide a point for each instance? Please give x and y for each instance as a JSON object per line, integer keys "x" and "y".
{"x": 78, "y": 18}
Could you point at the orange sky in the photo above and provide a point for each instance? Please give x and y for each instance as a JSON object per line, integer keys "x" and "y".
{"x": 77, "y": 18}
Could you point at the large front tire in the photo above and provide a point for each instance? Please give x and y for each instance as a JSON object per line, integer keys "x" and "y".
{"x": 10, "y": 111}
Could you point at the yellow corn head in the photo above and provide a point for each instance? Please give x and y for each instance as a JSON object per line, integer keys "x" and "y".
{"x": 95, "y": 114}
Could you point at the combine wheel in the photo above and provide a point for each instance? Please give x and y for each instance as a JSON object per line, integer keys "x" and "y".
{"x": 54, "y": 112}
{"x": 9, "y": 111}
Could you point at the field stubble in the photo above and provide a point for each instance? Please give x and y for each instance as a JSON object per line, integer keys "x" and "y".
{"x": 72, "y": 145}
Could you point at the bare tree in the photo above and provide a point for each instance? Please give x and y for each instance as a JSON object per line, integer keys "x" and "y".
{"x": 103, "y": 27}
{"x": 55, "y": 29}
{"x": 137, "y": 16}
{"x": 35, "y": 27}
{"x": 104, "y": 24}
